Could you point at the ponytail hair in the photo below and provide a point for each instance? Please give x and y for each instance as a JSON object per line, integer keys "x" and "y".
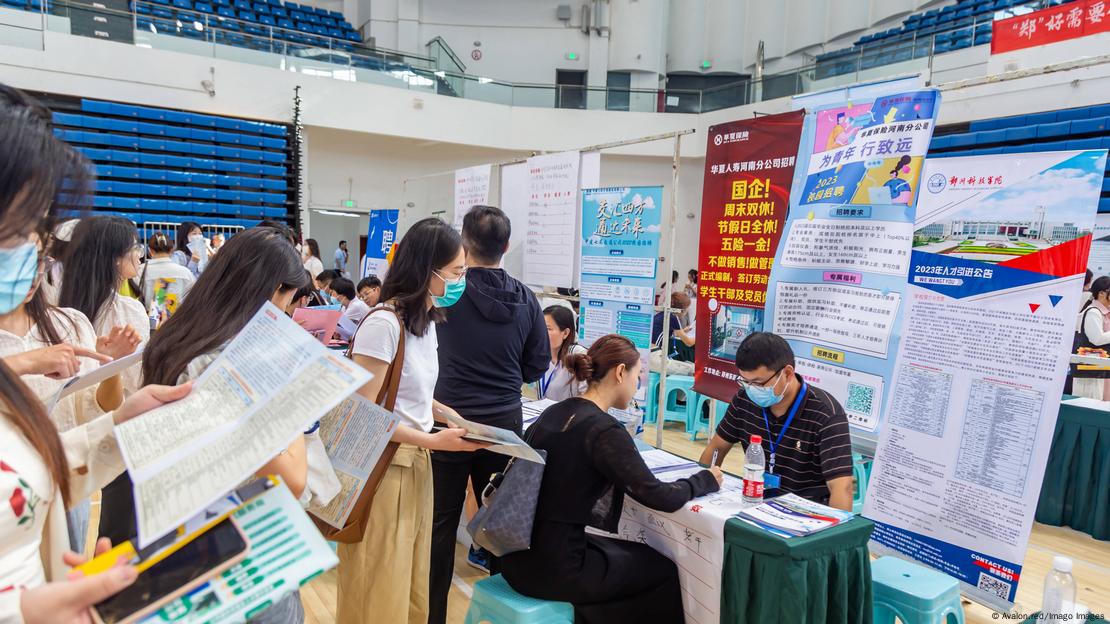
{"x": 607, "y": 353}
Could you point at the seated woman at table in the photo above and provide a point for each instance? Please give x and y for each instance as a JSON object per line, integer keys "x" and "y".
{"x": 1093, "y": 325}
{"x": 591, "y": 464}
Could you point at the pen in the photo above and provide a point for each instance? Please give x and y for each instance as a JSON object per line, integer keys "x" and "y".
{"x": 713, "y": 462}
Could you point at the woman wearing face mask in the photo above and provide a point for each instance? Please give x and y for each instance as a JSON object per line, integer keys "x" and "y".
{"x": 387, "y": 573}
{"x": 558, "y": 382}
{"x": 1093, "y": 329}
{"x": 40, "y": 469}
{"x": 591, "y": 464}
{"x": 103, "y": 254}
{"x": 184, "y": 255}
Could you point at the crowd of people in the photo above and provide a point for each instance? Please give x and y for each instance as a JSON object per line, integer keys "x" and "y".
{"x": 468, "y": 336}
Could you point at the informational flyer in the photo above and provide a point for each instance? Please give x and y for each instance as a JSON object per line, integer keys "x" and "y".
{"x": 381, "y": 235}
{"x": 749, "y": 167}
{"x": 471, "y": 189}
{"x": 271, "y": 383}
{"x": 836, "y": 290}
{"x": 354, "y": 433}
{"x": 1099, "y": 259}
{"x": 1000, "y": 246}
{"x": 620, "y": 251}
{"x": 552, "y": 219}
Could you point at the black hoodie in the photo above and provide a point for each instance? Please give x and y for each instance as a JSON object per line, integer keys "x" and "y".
{"x": 494, "y": 340}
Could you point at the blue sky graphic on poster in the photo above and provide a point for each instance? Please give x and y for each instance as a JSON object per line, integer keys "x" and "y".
{"x": 620, "y": 252}
{"x": 836, "y": 289}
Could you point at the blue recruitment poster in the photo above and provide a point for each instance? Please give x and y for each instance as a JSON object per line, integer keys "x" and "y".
{"x": 835, "y": 291}
{"x": 380, "y": 237}
{"x": 620, "y": 251}
{"x": 999, "y": 251}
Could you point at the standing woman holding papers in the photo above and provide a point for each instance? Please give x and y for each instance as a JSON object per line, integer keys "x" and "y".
{"x": 591, "y": 464}
{"x": 384, "y": 577}
{"x": 40, "y": 469}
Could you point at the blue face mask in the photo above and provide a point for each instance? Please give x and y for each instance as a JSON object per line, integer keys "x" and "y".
{"x": 452, "y": 291}
{"x": 764, "y": 396}
{"x": 18, "y": 268}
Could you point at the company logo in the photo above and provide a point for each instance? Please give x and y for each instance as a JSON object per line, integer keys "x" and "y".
{"x": 717, "y": 139}
{"x": 937, "y": 182}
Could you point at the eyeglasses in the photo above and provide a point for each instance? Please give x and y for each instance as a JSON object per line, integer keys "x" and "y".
{"x": 759, "y": 384}
{"x": 453, "y": 275}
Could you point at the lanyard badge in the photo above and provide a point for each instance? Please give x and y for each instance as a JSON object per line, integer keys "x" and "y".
{"x": 771, "y": 481}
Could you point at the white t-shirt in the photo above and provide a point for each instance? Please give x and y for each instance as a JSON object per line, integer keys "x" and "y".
{"x": 378, "y": 338}
{"x": 123, "y": 310}
{"x": 314, "y": 266}
{"x": 558, "y": 383}
{"x": 352, "y": 315}
{"x": 176, "y": 281}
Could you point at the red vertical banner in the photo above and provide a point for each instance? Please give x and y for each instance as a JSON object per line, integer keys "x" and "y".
{"x": 749, "y": 166}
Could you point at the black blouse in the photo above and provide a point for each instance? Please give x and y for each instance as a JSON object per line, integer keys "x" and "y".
{"x": 592, "y": 463}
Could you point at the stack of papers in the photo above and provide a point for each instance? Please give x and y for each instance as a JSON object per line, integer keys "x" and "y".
{"x": 793, "y": 516}
{"x": 659, "y": 461}
{"x": 533, "y": 409}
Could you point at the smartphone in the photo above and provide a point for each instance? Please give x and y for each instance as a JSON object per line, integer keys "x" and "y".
{"x": 212, "y": 552}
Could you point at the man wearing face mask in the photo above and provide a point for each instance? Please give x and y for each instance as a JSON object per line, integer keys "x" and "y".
{"x": 804, "y": 429}
{"x": 494, "y": 340}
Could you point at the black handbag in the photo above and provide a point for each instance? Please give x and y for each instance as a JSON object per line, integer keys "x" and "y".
{"x": 1081, "y": 341}
{"x": 503, "y": 524}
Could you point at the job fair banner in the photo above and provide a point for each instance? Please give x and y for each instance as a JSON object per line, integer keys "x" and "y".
{"x": 748, "y": 169}
{"x": 380, "y": 237}
{"x": 1000, "y": 247}
{"x": 620, "y": 251}
{"x": 837, "y": 287}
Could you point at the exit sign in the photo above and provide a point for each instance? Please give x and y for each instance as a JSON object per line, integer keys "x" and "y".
{"x": 349, "y": 203}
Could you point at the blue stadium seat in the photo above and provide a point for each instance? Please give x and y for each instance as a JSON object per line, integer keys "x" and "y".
{"x": 1087, "y": 126}
{"x": 1022, "y": 133}
{"x": 1073, "y": 113}
{"x": 1084, "y": 144}
{"x": 1104, "y": 204}
{"x": 963, "y": 140}
{"x": 990, "y": 136}
{"x": 1036, "y": 119}
{"x": 1057, "y": 128}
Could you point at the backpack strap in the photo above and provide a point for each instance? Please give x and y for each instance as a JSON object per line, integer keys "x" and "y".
{"x": 387, "y": 395}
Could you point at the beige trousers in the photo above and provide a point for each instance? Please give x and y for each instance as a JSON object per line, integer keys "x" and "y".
{"x": 384, "y": 578}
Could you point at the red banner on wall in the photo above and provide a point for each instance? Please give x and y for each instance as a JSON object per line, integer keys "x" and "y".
{"x": 1058, "y": 23}
{"x": 749, "y": 166}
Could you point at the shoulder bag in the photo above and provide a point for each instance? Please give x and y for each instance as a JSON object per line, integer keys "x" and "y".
{"x": 503, "y": 524}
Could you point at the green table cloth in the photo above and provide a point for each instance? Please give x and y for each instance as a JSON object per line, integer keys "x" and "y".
{"x": 1036, "y": 619}
{"x": 1076, "y": 488}
{"x": 821, "y": 579}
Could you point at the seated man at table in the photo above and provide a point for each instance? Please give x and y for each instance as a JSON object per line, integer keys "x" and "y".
{"x": 804, "y": 429}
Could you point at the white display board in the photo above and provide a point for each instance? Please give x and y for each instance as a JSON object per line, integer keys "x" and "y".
{"x": 471, "y": 189}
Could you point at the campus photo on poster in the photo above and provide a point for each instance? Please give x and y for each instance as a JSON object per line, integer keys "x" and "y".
{"x": 837, "y": 286}
{"x": 620, "y": 251}
{"x": 749, "y": 166}
{"x": 999, "y": 250}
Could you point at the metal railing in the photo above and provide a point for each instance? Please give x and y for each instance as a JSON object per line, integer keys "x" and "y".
{"x": 164, "y": 26}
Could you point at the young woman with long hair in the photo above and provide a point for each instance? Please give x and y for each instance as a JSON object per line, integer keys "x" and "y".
{"x": 182, "y": 254}
{"x": 162, "y": 280}
{"x": 312, "y": 261}
{"x": 591, "y": 464}
{"x": 387, "y": 573}
{"x": 255, "y": 266}
{"x": 43, "y": 469}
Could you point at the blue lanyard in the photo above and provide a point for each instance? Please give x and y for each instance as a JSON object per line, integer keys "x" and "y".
{"x": 790, "y": 417}
{"x": 545, "y": 382}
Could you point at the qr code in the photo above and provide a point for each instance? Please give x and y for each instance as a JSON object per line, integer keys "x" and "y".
{"x": 860, "y": 398}
{"x": 994, "y": 586}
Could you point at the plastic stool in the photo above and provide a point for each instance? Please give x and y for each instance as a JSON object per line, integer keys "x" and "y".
{"x": 672, "y": 410}
{"x": 701, "y": 418}
{"x": 494, "y": 601}
{"x": 914, "y": 594}
{"x": 652, "y": 398}
{"x": 861, "y": 473}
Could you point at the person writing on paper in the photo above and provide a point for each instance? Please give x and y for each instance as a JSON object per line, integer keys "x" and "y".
{"x": 312, "y": 261}
{"x": 558, "y": 382}
{"x": 370, "y": 290}
{"x": 354, "y": 308}
{"x": 41, "y": 470}
{"x": 161, "y": 274}
{"x": 804, "y": 429}
{"x": 591, "y": 464}
{"x": 103, "y": 254}
{"x": 1093, "y": 328}
{"x": 323, "y": 282}
{"x": 493, "y": 341}
{"x": 384, "y": 577}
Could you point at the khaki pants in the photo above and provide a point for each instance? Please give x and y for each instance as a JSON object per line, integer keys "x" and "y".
{"x": 384, "y": 578}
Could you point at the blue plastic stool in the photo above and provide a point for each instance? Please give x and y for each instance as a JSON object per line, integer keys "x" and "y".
{"x": 672, "y": 410}
{"x": 700, "y": 422}
{"x": 861, "y": 473}
{"x": 494, "y": 601}
{"x": 652, "y": 398}
{"x": 914, "y": 594}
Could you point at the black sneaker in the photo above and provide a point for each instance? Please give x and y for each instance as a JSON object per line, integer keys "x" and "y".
{"x": 478, "y": 558}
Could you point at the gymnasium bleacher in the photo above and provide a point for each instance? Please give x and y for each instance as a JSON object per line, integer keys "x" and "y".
{"x": 1069, "y": 129}
{"x": 159, "y": 167}
{"x": 964, "y": 24}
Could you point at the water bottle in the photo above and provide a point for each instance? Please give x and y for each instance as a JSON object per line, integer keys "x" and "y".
{"x": 1059, "y": 588}
{"x": 754, "y": 465}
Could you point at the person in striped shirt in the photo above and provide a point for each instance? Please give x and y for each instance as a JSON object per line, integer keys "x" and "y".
{"x": 804, "y": 429}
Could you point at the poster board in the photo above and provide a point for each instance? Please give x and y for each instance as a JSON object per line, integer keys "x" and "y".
{"x": 471, "y": 189}
{"x": 381, "y": 235}
{"x": 749, "y": 167}
{"x": 1000, "y": 247}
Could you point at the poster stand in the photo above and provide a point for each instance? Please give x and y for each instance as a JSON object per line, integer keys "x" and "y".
{"x": 676, "y": 137}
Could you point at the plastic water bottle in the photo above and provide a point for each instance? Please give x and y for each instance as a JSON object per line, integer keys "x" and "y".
{"x": 754, "y": 465}
{"x": 1059, "y": 588}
